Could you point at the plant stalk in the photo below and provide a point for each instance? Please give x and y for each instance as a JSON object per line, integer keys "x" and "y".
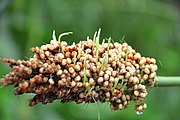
{"x": 167, "y": 81}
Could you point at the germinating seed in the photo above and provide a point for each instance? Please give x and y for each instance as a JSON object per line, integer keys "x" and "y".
{"x": 84, "y": 72}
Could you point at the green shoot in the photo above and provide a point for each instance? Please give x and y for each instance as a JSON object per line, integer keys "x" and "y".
{"x": 53, "y": 35}
{"x": 79, "y": 47}
{"x": 94, "y": 40}
{"x": 85, "y": 71}
{"x": 85, "y": 75}
{"x": 88, "y": 38}
{"x": 141, "y": 81}
{"x": 63, "y": 34}
{"x": 89, "y": 91}
{"x": 97, "y": 44}
{"x": 123, "y": 39}
{"x": 109, "y": 40}
{"x": 104, "y": 63}
{"x": 75, "y": 59}
{"x": 97, "y": 52}
{"x": 103, "y": 41}
{"x": 63, "y": 48}
{"x": 115, "y": 84}
{"x": 105, "y": 59}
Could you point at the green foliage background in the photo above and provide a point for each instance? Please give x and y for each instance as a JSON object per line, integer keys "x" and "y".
{"x": 151, "y": 26}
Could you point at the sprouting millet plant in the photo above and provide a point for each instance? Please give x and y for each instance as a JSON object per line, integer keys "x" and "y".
{"x": 86, "y": 72}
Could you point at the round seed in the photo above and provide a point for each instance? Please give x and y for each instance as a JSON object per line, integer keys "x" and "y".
{"x": 71, "y": 70}
{"x": 106, "y": 77}
{"x": 51, "y": 81}
{"x": 77, "y": 78}
{"x": 100, "y": 79}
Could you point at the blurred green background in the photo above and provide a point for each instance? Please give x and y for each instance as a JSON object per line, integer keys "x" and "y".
{"x": 152, "y": 27}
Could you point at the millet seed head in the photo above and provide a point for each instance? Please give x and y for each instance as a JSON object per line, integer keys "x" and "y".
{"x": 84, "y": 72}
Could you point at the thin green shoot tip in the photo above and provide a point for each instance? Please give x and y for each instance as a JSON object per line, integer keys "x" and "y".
{"x": 123, "y": 38}
{"x": 75, "y": 59}
{"x": 64, "y": 34}
{"x": 115, "y": 84}
{"x": 85, "y": 75}
{"x": 98, "y": 35}
{"x": 54, "y": 35}
{"x": 109, "y": 40}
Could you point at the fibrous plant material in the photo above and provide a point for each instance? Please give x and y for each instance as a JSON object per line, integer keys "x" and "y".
{"x": 86, "y": 72}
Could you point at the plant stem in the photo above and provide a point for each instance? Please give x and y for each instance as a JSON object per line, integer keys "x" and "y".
{"x": 166, "y": 81}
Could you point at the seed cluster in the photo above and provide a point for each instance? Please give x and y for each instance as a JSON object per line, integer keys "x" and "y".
{"x": 84, "y": 72}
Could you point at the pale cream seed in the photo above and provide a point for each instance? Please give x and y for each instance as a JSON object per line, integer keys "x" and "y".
{"x": 153, "y": 61}
{"x": 143, "y": 95}
{"x": 101, "y": 73}
{"x": 44, "y": 47}
{"x": 68, "y": 60}
{"x": 59, "y": 72}
{"x": 140, "y": 108}
{"x": 123, "y": 97}
{"x": 152, "y": 75}
{"x": 106, "y": 77}
{"x": 71, "y": 70}
{"x": 128, "y": 75}
{"x": 79, "y": 84}
{"x": 73, "y": 83}
{"x": 144, "y": 105}
{"x": 146, "y": 70}
{"x": 111, "y": 79}
{"x": 142, "y": 61}
{"x": 60, "y": 56}
{"x": 53, "y": 41}
{"x": 136, "y": 93}
{"x": 118, "y": 101}
{"x": 145, "y": 77}
{"x": 122, "y": 71}
{"x": 100, "y": 79}
{"x": 106, "y": 83}
{"x": 120, "y": 106}
{"x": 137, "y": 56}
{"x": 25, "y": 84}
{"x": 107, "y": 94}
{"x": 63, "y": 43}
{"x": 64, "y": 62}
{"x": 51, "y": 81}
{"x": 91, "y": 81}
{"x": 114, "y": 73}
{"x": 77, "y": 78}
{"x": 135, "y": 80}
{"x": 77, "y": 67}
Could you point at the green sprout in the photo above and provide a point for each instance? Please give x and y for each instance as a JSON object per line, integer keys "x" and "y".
{"x": 94, "y": 40}
{"x": 123, "y": 39}
{"x": 97, "y": 44}
{"x": 53, "y": 35}
{"x": 74, "y": 59}
{"x": 103, "y": 41}
{"x": 105, "y": 59}
{"x": 115, "y": 84}
{"x": 104, "y": 63}
{"x": 85, "y": 71}
{"x": 63, "y": 34}
{"x": 89, "y": 91}
{"x": 109, "y": 40}
{"x": 63, "y": 48}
